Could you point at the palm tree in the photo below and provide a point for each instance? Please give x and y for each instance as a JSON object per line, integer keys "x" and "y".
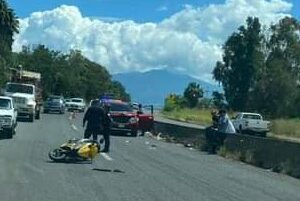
{"x": 9, "y": 25}
{"x": 192, "y": 94}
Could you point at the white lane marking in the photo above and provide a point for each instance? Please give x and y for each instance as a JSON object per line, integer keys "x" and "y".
{"x": 74, "y": 127}
{"x": 106, "y": 156}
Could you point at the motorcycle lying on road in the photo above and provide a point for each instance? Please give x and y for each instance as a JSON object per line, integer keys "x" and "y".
{"x": 76, "y": 150}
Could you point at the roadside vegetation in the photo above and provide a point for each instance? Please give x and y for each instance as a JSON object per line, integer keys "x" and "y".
{"x": 68, "y": 74}
{"x": 280, "y": 127}
{"x": 259, "y": 72}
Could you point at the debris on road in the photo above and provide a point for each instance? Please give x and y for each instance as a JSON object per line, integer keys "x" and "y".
{"x": 148, "y": 134}
{"x": 188, "y": 145}
{"x": 153, "y": 146}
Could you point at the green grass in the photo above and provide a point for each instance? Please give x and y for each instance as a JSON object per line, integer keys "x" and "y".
{"x": 197, "y": 116}
{"x": 286, "y": 127}
{"x": 280, "y": 127}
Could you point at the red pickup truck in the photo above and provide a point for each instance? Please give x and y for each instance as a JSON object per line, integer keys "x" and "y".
{"x": 126, "y": 120}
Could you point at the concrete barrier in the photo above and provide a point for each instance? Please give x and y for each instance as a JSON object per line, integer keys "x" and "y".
{"x": 274, "y": 154}
{"x": 191, "y": 135}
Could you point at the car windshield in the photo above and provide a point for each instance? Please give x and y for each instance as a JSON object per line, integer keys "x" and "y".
{"x": 118, "y": 107}
{"x": 251, "y": 116}
{"x": 54, "y": 100}
{"x": 5, "y": 104}
{"x": 19, "y": 88}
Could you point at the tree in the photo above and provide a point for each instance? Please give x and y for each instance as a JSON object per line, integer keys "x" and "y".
{"x": 9, "y": 25}
{"x": 277, "y": 92}
{"x": 242, "y": 58}
{"x": 260, "y": 70}
{"x": 70, "y": 75}
{"x": 218, "y": 99}
{"x": 192, "y": 94}
{"x": 174, "y": 102}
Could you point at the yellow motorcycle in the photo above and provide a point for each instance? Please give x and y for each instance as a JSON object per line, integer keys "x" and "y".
{"x": 75, "y": 150}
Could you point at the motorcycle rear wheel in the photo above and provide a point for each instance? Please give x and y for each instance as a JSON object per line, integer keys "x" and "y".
{"x": 57, "y": 155}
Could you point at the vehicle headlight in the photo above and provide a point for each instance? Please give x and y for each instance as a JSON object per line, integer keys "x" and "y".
{"x": 30, "y": 104}
{"x": 133, "y": 120}
{"x": 6, "y": 120}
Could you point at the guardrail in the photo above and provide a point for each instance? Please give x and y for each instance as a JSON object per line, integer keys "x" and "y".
{"x": 270, "y": 153}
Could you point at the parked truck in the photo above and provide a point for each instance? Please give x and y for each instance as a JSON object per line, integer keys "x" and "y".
{"x": 25, "y": 89}
{"x": 251, "y": 123}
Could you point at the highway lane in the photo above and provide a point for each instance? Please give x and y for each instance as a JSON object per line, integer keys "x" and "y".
{"x": 139, "y": 168}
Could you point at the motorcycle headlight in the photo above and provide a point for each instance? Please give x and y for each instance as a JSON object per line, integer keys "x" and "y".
{"x": 133, "y": 120}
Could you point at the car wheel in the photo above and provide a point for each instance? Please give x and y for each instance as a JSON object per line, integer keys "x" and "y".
{"x": 133, "y": 133}
{"x": 15, "y": 129}
{"x": 9, "y": 133}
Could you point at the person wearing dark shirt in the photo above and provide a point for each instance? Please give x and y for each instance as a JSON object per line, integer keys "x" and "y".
{"x": 140, "y": 110}
{"x": 95, "y": 118}
{"x": 106, "y": 127}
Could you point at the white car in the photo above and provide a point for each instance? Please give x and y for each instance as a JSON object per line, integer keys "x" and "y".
{"x": 76, "y": 104}
{"x": 8, "y": 117}
{"x": 252, "y": 123}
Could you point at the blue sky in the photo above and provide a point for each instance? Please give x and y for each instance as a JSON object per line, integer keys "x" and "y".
{"x": 138, "y": 10}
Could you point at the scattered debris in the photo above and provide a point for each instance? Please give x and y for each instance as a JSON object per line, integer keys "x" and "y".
{"x": 188, "y": 145}
{"x": 153, "y": 146}
{"x": 148, "y": 134}
{"x": 160, "y": 137}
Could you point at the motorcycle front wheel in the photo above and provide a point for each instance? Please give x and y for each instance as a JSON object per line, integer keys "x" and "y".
{"x": 57, "y": 155}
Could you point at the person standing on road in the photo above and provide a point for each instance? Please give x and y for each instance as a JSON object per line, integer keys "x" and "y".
{"x": 95, "y": 119}
{"x": 106, "y": 131}
{"x": 140, "y": 110}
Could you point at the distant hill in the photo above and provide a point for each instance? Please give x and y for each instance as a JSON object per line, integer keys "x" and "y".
{"x": 153, "y": 86}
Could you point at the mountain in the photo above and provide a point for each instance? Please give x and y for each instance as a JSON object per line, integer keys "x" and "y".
{"x": 153, "y": 86}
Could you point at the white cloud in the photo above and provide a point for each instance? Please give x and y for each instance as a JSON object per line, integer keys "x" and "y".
{"x": 217, "y": 22}
{"x": 189, "y": 41}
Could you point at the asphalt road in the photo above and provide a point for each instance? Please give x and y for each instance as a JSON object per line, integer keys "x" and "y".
{"x": 139, "y": 168}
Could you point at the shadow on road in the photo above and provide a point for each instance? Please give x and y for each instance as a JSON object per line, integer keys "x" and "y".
{"x": 78, "y": 162}
{"x": 121, "y": 135}
{"x": 23, "y": 119}
{"x": 108, "y": 170}
{"x": 2, "y": 137}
